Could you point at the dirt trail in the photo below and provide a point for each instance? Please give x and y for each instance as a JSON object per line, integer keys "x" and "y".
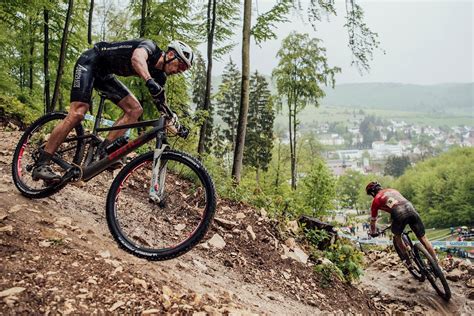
{"x": 57, "y": 255}
{"x": 394, "y": 289}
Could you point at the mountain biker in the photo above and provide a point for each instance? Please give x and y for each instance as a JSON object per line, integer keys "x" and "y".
{"x": 401, "y": 212}
{"x": 96, "y": 68}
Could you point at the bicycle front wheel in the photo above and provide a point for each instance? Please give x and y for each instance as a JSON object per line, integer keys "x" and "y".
{"x": 171, "y": 227}
{"x": 433, "y": 272}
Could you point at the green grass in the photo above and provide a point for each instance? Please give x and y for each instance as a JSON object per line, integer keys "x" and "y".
{"x": 437, "y": 233}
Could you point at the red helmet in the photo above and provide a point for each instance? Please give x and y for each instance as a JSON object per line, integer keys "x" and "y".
{"x": 372, "y": 188}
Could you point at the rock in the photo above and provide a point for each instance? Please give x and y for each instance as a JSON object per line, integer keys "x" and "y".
{"x": 141, "y": 282}
{"x": 91, "y": 280}
{"x": 167, "y": 291}
{"x": 454, "y": 275}
{"x": 179, "y": 227}
{"x": 240, "y": 215}
{"x": 226, "y": 209}
{"x": 470, "y": 283}
{"x": 11, "y": 291}
{"x": 3, "y": 216}
{"x": 295, "y": 254}
{"x": 217, "y": 242}
{"x": 105, "y": 254}
{"x": 292, "y": 226}
{"x": 45, "y": 243}
{"x": 116, "y": 305}
{"x": 16, "y": 208}
{"x": 290, "y": 243}
{"x": 263, "y": 213}
{"x": 286, "y": 275}
{"x": 63, "y": 221}
{"x": 252, "y": 234}
{"x": 151, "y": 311}
{"x": 6, "y": 229}
{"x": 201, "y": 266}
{"x": 225, "y": 223}
{"x": 204, "y": 245}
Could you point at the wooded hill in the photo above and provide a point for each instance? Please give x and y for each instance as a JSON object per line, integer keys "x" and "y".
{"x": 451, "y": 98}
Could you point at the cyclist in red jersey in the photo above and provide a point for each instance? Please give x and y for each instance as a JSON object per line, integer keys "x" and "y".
{"x": 401, "y": 212}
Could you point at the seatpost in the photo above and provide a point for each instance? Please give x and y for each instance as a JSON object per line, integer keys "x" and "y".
{"x": 99, "y": 114}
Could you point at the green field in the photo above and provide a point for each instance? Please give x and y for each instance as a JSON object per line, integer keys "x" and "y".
{"x": 328, "y": 114}
{"x": 437, "y": 234}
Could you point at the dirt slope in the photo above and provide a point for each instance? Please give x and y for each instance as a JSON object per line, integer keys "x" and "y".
{"x": 57, "y": 255}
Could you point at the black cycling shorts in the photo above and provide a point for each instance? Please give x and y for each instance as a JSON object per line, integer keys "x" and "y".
{"x": 407, "y": 215}
{"x": 88, "y": 75}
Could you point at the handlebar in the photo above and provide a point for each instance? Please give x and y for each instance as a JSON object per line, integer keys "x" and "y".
{"x": 172, "y": 121}
{"x": 379, "y": 232}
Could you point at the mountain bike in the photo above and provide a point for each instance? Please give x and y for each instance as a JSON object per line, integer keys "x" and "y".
{"x": 159, "y": 205}
{"x": 425, "y": 267}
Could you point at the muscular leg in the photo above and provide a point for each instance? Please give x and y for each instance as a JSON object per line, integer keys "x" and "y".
{"x": 42, "y": 169}
{"x": 401, "y": 245}
{"x": 426, "y": 243}
{"x": 75, "y": 115}
{"x": 131, "y": 112}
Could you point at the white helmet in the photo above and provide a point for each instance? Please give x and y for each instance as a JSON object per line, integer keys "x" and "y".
{"x": 183, "y": 50}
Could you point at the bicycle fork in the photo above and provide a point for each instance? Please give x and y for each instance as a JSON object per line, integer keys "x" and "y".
{"x": 157, "y": 185}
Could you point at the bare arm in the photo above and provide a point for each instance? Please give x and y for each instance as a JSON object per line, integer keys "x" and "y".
{"x": 372, "y": 225}
{"x": 139, "y": 64}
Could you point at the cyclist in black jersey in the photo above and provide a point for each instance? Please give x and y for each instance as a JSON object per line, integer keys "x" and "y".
{"x": 96, "y": 68}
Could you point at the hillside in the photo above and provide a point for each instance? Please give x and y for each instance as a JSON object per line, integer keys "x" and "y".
{"x": 452, "y": 99}
{"x": 443, "y": 99}
{"x": 57, "y": 256}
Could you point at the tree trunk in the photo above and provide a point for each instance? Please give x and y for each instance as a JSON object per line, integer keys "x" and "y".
{"x": 244, "y": 95}
{"x": 62, "y": 54}
{"x": 143, "y": 19}
{"x": 89, "y": 26}
{"x": 211, "y": 25}
{"x": 293, "y": 158}
{"x": 277, "y": 178}
{"x": 30, "y": 54}
{"x": 47, "y": 96}
{"x": 292, "y": 145}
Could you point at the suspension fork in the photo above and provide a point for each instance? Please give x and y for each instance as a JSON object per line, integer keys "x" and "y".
{"x": 157, "y": 185}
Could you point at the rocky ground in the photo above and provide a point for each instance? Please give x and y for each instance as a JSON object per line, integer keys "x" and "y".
{"x": 57, "y": 256}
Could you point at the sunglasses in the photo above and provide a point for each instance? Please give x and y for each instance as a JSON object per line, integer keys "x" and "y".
{"x": 182, "y": 66}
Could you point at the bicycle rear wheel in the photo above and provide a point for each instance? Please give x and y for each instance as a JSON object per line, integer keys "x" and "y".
{"x": 28, "y": 150}
{"x": 164, "y": 230}
{"x": 433, "y": 272}
{"x": 414, "y": 270}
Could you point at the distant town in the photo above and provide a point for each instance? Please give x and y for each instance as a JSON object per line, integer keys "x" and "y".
{"x": 369, "y": 142}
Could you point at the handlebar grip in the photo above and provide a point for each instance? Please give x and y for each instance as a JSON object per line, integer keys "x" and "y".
{"x": 183, "y": 131}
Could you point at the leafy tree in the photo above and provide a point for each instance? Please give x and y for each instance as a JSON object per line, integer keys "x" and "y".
{"x": 259, "y": 137}
{"x": 369, "y": 131}
{"x": 301, "y": 70}
{"x": 228, "y": 101}
{"x": 395, "y": 166}
{"x": 348, "y": 187}
{"x": 442, "y": 188}
{"x": 319, "y": 189}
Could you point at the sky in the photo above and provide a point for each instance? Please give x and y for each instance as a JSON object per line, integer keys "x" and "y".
{"x": 425, "y": 42}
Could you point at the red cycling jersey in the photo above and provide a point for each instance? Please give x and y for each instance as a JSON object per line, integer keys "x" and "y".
{"x": 386, "y": 200}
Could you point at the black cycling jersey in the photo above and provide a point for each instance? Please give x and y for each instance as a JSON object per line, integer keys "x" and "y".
{"x": 97, "y": 66}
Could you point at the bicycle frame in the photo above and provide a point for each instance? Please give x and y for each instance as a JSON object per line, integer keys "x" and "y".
{"x": 90, "y": 171}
